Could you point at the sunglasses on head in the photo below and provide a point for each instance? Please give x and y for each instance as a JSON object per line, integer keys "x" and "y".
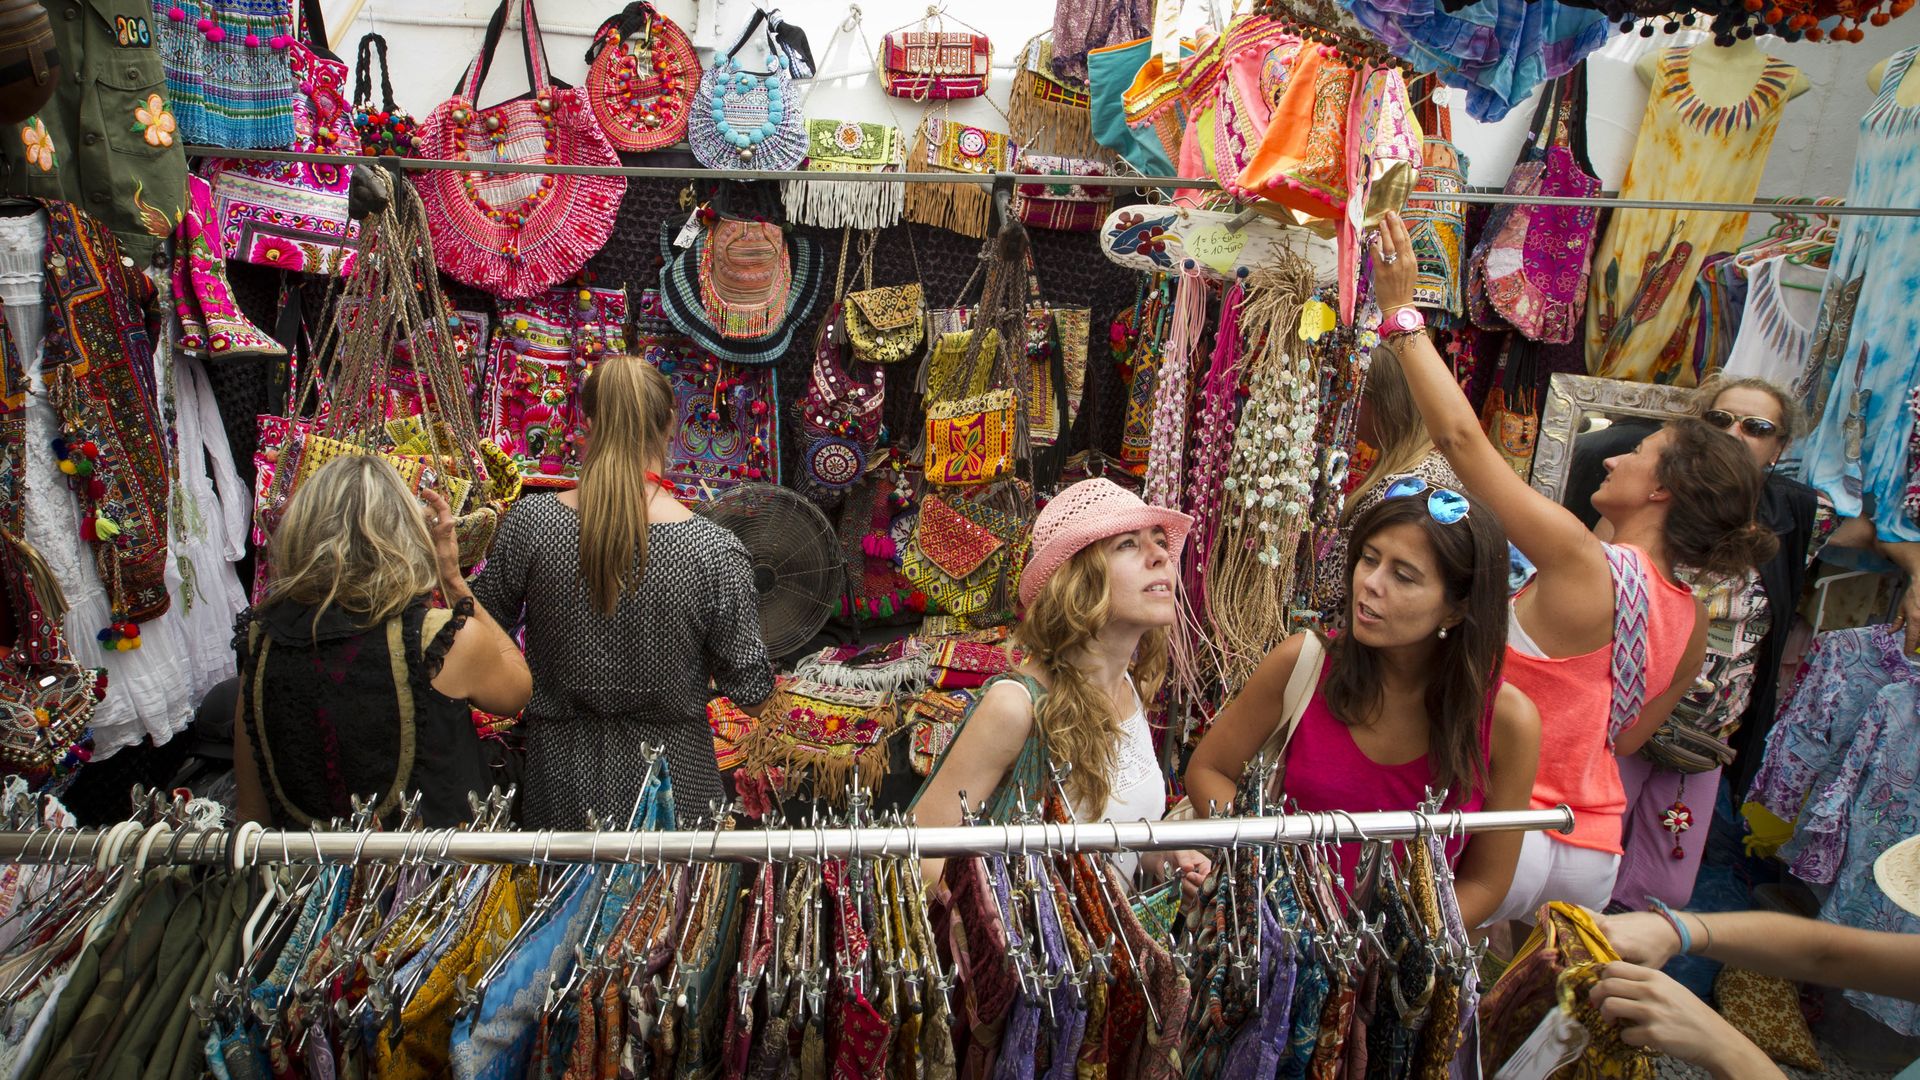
{"x": 1444, "y": 504}
{"x": 1757, "y": 426}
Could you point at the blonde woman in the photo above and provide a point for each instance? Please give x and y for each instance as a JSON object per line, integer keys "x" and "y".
{"x": 351, "y": 684}
{"x": 1099, "y": 597}
{"x": 636, "y": 612}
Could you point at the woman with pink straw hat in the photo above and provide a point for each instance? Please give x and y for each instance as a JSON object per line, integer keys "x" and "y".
{"x": 1100, "y": 601}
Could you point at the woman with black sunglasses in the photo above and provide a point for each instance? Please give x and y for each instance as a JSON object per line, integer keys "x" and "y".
{"x": 1605, "y": 639}
{"x": 1409, "y": 698}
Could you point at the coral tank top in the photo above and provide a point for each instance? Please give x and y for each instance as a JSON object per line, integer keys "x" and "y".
{"x": 1575, "y": 697}
{"x": 1327, "y": 770}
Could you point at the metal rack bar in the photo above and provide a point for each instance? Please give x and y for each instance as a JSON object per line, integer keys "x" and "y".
{"x": 248, "y": 845}
{"x": 652, "y": 172}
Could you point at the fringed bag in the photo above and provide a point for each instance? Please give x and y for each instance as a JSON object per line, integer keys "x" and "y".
{"x": 1041, "y": 103}
{"x": 818, "y": 740}
{"x": 944, "y": 146}
{"x": 46, "y": 697}
{"x": 848, "y": 146}
{"x": 515, "y": 234}
{"x": 897, "y": 667}
{"x": 642, "y": 75}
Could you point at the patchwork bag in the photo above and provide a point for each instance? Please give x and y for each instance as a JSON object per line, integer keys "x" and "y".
{"x": 46, "y": 697}
{"x": 848, "y": 146}
{"x": 967, "y": 547}
{"x": 748, "y": 113}
{"x": 539, "y": 355}
{"x": 1530, "y": 268}
{"x": 292, "y": 215}
{"x": 1059, "y": 203}
{"x": 516, "y": 234}
{"x": 383, "y": 126}
{"x": 944, "y": 146}
{"x": 642, "y": 75}
{"x": 931, "y": 63}
{"x": 1438, "y": 229}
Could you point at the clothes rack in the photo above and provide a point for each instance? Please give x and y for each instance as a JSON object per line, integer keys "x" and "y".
{"x": 249, "y": 845}
{"x": 651, "y": 172}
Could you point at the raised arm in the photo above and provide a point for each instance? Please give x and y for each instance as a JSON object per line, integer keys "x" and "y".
{"x": 1570, "y": 559}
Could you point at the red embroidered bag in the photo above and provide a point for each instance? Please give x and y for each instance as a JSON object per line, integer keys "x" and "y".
{"x": 929, "y": 63}
{"x": 291, "y": 214}
{"x": 641, "y": 79}
{"x": 515, "y": 234}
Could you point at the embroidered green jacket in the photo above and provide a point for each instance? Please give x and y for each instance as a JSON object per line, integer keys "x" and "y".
{"x": 107, "y": 142}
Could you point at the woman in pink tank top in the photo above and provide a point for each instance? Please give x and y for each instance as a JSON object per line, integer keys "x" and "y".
{"x": 1686, "y": 495}
{"x": 1409, "y": 699}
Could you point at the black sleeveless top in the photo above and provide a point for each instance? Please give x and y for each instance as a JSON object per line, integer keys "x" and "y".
{"x": 335, "y": 710}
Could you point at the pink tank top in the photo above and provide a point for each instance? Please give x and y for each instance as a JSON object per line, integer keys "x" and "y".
{"x": 1327, "y": 770}
{"x": 1575, "y": 698}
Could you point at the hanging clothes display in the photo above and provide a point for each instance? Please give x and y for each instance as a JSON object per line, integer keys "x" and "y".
{"x": 1862, "y": 363}
{"x": 1777, "y": 321}
{"x": 1640, "y": 304}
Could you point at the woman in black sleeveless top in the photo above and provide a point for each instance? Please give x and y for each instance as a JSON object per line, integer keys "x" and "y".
{"x": 351, "y": 683}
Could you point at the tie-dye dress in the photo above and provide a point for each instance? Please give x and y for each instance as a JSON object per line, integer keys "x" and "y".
{"x": 1641, "y": 304}
{"x": 1864, "y": 360}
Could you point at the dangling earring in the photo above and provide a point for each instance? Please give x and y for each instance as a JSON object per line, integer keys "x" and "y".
{"x": 1443, "y": 633}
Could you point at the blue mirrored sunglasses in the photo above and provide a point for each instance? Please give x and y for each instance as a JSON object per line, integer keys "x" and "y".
{"x": 1446, "y": 505}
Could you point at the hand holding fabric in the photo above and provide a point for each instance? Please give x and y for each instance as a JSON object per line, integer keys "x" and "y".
{"x": 1656, "y": 1013}
{"x": 1394, "y": 267}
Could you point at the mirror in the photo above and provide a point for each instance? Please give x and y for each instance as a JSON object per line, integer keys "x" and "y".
{"x": 1587, "y": 420}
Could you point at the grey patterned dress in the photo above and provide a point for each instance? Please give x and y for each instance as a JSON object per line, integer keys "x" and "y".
{"x": 606, "y": 686}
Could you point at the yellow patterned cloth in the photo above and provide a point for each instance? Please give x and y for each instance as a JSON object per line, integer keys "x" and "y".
{"x": 1641, "y": 304}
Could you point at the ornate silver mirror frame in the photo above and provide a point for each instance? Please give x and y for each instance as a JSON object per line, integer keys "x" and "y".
{"x": 1572, "y": 400}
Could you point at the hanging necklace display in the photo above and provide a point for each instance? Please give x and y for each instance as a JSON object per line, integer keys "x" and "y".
{"x": 516, "y": 234}
{"x": 749, "y": 119}
{"x": 642, "y": 76}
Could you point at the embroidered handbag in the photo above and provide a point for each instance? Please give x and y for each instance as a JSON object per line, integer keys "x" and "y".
{"x": 839, "y": 414}
{"x": 515, "y": 234}
{"x": 539, "y": 356}
{"x": 1302, "y": 160}
{"x": 726, "y": 416}
{"x": 930, "y": 63}
{"x": 642, "y": 74}
{"x": 46, "y": 696}
{"x": 383, "y": 126}
{"x": 967, "y": 665}
{"x": 934, "y": 718}
{"x": 1060, "y": 204}
{"x": 750, "y": 111}
{"x": 944, "y": 146}
{"x": 1511, "y": 416}
{"x": 886, "y": 325}
{"x": 1041, "y": 103}
{"x": 228, "y": 80}
{"x": 848, "y": 146}
{"x": 1530, "y": 267}
{"x": 815, "y": 740}
{"x": 293, "y": 215}
{"x": 971, "y": 440}
{"x": 966, "y": 549}
{"x": 1438, "y": 229}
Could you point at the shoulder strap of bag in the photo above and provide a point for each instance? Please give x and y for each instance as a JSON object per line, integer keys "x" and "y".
{"x": 1570, "y": 116}
{"x": 1299, "y": 692}
{"x": 534, "y": 52}
{"x": 1629, "y": 639}
{"x": 370, "y": 45}
{"x": 624, "y": 23}
{"x": 313, "y": 29}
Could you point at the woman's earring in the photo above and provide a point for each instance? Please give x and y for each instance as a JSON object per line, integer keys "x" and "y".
{"x": 1443, "y": 633}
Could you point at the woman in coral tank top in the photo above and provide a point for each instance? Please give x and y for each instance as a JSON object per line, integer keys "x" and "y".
{"x": 1685, "y": 495}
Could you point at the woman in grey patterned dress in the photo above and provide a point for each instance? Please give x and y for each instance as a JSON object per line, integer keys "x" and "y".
{"x": 636, "y": 612}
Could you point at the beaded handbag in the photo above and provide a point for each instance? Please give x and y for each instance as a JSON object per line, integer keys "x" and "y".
{"x": 516, "y": 234}
{"x": 839, "y": 414}
{"x": 641, "y": 78}
{"x": 886, "y": 325}
{"x": 1059, "y": 203}
{"x": 292, "y": 215}
{"x": 384, "y": 127}
{"x": 848, "y": 146}
{"x": 746, "y": 116}
{"x": 46, "y": 696}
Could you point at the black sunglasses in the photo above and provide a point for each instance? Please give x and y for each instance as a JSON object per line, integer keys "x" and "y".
{"x": 1757, "y": 426}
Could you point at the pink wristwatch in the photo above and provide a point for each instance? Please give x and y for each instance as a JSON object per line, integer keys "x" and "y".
{"x": 1403, "y": 320}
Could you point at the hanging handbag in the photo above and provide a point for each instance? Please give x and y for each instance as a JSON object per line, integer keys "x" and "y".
{"x": 944, "y": 146}
{"x": 967, "y": 548}
{"x": 292, "y": 215}
{"x": 228, "y": 79}
{"x": 641, "y": 77}
{"x": 384, "y": 128}
{"x": 536, "y": 363}
{"x": 1511, "y": 416}
{"x": 848, "y": 146}
{"x": 1530, "y": 267}
{"x": 928, "y": 62}
{"x": 726, "y": 416}
{"x": 1438, "y": 229}
{"x": 750, "y": 110}
{"x": 46, "y": 697}
{"x": 839, "y": 414}
{"x": 886, "y": 325}
{"x": 516, "y": 234}
{"x": 1060, "y": 204}
{"x": 1040, "y": 102}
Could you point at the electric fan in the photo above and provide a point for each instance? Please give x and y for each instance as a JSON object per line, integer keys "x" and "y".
{"x": 798, "y": 569}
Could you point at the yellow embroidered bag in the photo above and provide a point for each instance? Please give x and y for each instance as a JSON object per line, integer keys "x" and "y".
{"x": 970, "y": 441}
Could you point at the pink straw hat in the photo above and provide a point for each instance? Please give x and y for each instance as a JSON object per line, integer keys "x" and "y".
{"x": 1089, "y": 511}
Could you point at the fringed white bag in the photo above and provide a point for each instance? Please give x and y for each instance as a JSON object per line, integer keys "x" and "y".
{"x": 848, "y": 146}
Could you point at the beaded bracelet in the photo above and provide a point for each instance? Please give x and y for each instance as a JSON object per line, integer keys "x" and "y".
{"x": 1679, "y": 927}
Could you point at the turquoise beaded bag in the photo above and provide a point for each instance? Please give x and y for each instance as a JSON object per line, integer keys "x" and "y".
{"x": 747, "y": 112}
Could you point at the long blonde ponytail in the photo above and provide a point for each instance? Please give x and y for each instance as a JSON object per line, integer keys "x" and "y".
{"x": 630, "y": 407}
